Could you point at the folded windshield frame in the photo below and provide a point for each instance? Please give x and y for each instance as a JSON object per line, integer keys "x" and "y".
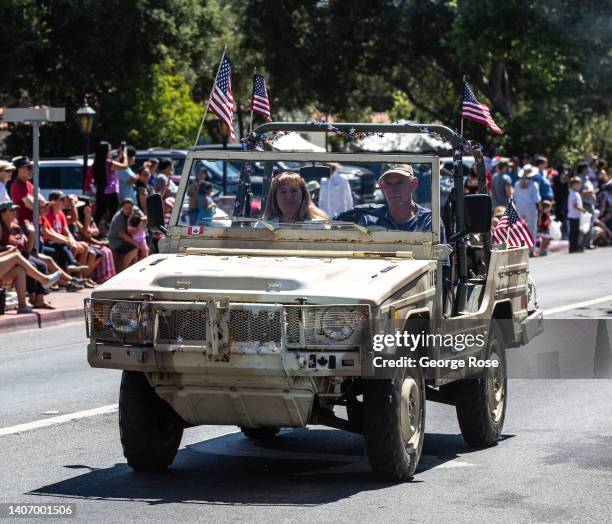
{"x": 324, "y": 158}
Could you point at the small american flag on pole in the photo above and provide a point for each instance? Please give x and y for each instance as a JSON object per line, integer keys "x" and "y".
{"x": 222, "y": 100}
{"x": 512, "y": 229}
{"x": 476, "y": 111}
{"x": 261, "y": 104}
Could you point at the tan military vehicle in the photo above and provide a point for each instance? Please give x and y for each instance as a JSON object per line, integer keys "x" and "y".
{"x": 268, "y": 323}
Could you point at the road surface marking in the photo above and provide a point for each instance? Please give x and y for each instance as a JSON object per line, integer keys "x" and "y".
{"x": 52, "y": 421}
{"x": 575, "y": 305}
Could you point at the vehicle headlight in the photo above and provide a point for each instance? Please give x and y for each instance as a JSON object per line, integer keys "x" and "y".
{"x": 339, "y": 323}
{"x": 124, "y": 317}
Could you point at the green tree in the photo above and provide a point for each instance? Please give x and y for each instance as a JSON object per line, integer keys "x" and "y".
{"x": 542, "y": 66}
{"x": 164, "y": 112}
{"x": 59, "y": 50}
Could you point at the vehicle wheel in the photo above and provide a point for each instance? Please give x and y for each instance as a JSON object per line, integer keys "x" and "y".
{"x": 150, "y": 429}
{"x": 260, "y": 433}
{"x": 394, "y": 424}
{"x": 481, "y": 402}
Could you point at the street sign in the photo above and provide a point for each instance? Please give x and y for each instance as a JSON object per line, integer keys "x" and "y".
{"x": 38, "y": 114}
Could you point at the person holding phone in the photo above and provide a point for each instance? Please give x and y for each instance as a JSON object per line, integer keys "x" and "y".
{"x": 106, "y": 179}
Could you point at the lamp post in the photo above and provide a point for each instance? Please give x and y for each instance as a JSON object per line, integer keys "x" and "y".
{"x": 86, "y": 116}
{"x": 224, "y": 131}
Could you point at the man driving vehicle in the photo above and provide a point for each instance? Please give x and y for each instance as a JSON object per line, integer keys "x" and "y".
{"x": 398, "y": 183}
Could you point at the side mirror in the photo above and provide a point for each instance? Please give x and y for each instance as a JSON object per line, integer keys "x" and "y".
{"x": 155, "y": 212}
{"x": 478, "y": 210}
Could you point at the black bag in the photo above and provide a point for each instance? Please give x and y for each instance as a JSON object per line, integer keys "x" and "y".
{"x": 2, "y": 300}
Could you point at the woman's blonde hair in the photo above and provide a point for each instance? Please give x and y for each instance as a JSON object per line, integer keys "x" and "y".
{"x": 307, "y": 210}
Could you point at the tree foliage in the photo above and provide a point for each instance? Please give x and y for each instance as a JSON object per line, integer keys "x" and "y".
{"x": 545, "y": 66}
{"x": 164, "y": 113}
{"x": 60, "y": 50}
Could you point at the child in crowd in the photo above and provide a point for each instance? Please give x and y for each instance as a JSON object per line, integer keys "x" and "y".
{"x": 136, "y": 229}
{"x": 206, "y": 205}
{"x": 574, "y": 212}
{"x": 544, "y": 227}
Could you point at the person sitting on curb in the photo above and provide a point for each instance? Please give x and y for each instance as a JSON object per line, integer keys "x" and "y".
{"x": 14, "y": 269}
{"x": 11, "y": 235}
{"x": 6, "y": 170}
{"x": 58, "y": 237}
{"x": 120, "y": 242}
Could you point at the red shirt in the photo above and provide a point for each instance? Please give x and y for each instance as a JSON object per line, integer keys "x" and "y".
{"x": 544, "y": 222}
{"x": 58, "y": 221}
{"x": 20, "y": 190}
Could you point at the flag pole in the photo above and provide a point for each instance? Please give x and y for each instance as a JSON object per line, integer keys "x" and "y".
{"x": 463, "y": 81}
{"x": 210, "y": 96}
{"x": 252, "y": 97}
{"x": 507, "y": 224}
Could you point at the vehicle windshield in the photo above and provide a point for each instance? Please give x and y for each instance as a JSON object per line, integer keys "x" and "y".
{"x": 311, "y": 191}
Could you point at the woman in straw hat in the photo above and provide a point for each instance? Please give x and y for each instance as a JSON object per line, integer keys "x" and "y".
{"x": 527, "y": 198}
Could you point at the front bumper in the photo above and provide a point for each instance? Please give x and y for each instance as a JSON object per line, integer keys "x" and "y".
{"x": 532, "y": 326}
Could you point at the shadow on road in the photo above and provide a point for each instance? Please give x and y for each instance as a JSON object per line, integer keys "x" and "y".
{"x": 299, "y": 467}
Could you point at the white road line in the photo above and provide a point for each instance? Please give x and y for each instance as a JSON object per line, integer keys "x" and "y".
{"x": 52, "y": 421}
{"x": 575, "y": 305}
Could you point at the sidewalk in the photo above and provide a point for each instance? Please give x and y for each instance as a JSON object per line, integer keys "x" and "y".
{"x": 558, "y": 245}
{"x": 69, "y": 307}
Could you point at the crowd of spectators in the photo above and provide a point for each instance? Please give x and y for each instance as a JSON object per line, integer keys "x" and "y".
{"x": 571, "y": 203}
{"x": 83, "y": 240}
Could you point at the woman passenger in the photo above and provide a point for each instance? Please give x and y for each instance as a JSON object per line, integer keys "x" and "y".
{"x": 289, "y": 201}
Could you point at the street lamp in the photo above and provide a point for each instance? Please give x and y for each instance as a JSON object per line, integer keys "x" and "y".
{"x": 85, "y": 115}
{"x": 224, "y": 131}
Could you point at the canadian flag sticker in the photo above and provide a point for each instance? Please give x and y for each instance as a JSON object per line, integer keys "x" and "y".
{"x": 191, "y": 230}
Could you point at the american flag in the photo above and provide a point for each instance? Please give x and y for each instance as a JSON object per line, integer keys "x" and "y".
{"x": 476, "y": 111}
{"x": 512, "y": 229}
{"x": 261, "y": 104}
{"x": 222, "y": 100}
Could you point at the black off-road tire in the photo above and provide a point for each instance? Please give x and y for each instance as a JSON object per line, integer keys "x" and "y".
{"x": 260, "y": 433}
{"x": 481, "y": 425}
{"x": 150, "y": 429}
{"x": 391, "y": 459}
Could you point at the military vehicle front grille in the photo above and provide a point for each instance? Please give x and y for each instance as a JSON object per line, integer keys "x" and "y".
{"x": 251, "y": 325}
{"x": 293, "y": 324}
{"x": 179, "y": 325}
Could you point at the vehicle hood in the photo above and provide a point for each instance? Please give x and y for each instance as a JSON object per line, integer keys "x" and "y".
{"x": 267, "y": 279}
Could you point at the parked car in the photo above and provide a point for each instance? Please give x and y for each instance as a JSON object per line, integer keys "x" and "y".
{"x": 63, "y": 174}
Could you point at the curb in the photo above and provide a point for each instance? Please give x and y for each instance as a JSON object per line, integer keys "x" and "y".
{"x": 10, "y": 323}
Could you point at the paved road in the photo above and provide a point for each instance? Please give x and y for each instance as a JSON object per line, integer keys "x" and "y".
{"x": 553, "y": 464}
{"x": 563, "y": 279}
